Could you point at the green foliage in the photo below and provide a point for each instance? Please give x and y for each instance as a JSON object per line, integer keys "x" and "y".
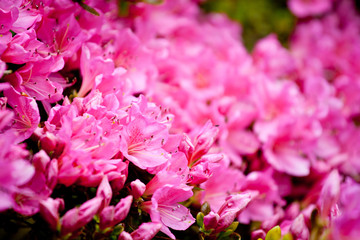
{"x": 229, "y": 232}
{"x": 274, "y": 234}
{"x": 258, "y": 18}
{"x": 87, "y": 7}
{"x": 205, "y": 208}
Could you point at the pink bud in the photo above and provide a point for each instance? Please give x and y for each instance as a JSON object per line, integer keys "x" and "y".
{"x": 111, "y": 215}
{"x": 199, "y": 173}
{"x": 299, "y": 229}
{"x": 122, "y": 209}
{"x": 204, "y": 140}
{"x": 329, "y": 193}
{"x": 211, "y": 220}
{"x": 41, "y": 160}
{"x": 125, "y": 236}
{"x": 52, "y": 173}
{"x": 49, "y": 210}
{"x": 107, "y": 217}
{"x": 258, "y": 234}
{"x": 51, "y": 144}
{"x": 104, "y": 191}
{"x": 146, "y": 231}
{"x": 78, "y": 217}
{"x": 48, "y": 142}
{"x": 137, "y": 188}
{"x": 231, "y": 208}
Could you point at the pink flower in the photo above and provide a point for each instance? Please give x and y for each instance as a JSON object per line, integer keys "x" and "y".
{"x": 163, "y": 178}
{"x": 36, "y": 79}
{"x": 28, "y": 17}
{"x": 8, "y": 15}
{"x": 203, "y": 140}
{"x": 65, "y": 36}
{"x": 15, "y": 170}
{"x": 23, "y": 48}
{"x": 287, "y": 142}
{"x": 284, "y": 156}
{"x": 92, "y": 64}
{"x": 165, "y": 208}
{"x": 346, "y": 225}
{"x": 265, "y": 196}
{"x": 86, "y": 134}
{"x": 224, "y": 181}
{"x": 303, "y": 8}
{"x": 272, "y": 59}
{"x": 27, "y": 198}
{"x": 142, "y": 140}
{"x": 27, "y": 115}
{"x": 2, "y": 67}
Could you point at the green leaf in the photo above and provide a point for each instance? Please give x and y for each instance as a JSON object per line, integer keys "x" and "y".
{"x": 205, "y": 208}
{"x": 274, "y": 234}
{"x": 224, "y": 235}
{"x": 12, "y": 33}
{"x": 88, "y": 8}
{"x": 287, "y": 237}
{"x": 198, "y": 189}
{"x": 200, "y": 219}
{"x": 233, "y": 226}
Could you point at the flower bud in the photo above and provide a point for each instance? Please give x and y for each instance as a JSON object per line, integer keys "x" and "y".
{"x": 49, "y": 210}
{"x": 137, "y": 188}
{"x": 146, "y": 231}
{"x": 78, "y": 217}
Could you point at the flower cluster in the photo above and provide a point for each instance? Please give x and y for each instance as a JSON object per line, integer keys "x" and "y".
{"x": 131, "y": 120}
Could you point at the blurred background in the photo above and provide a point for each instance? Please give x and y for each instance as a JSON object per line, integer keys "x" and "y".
{"x": 257, "y": 17}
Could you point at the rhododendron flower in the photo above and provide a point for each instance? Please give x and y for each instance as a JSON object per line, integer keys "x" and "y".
{"x": 92, "y": 65}
{"x": 303, "y": 8}
{"x": 265, "y": 194}
{"x": 65, "y": 36}
{"x": 27, "y": 115}
{"x": 142, "y": 140}
{"x": 224, "y": 181}
{"x": 272, "y": 58}
{"x": 165, "y": 208}
{"x": 167, "y": 115}
{"x": 15, "y": 170}
{"x": 24, "y": 47}
{"x": 345, "y": 226}
{"x": 36, "y": 80}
